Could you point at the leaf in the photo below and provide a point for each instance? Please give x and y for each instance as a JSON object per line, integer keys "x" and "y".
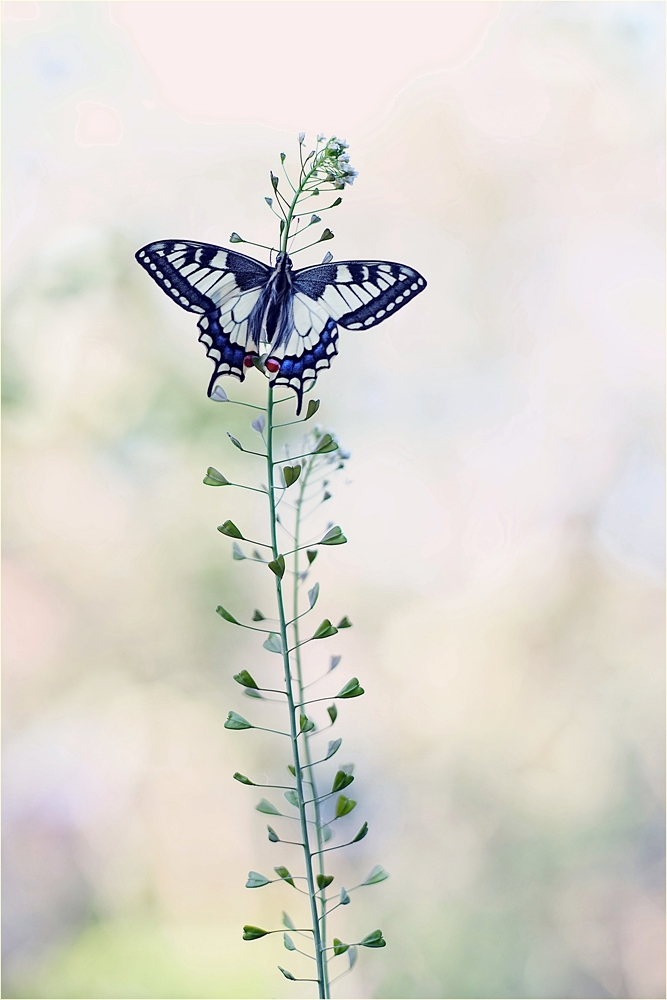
{"x": 327, "y": 257}
{"x": 344, "y": 622}
{"x": 237, "y": 776}
{"x": 312, "y": 556}
{"x": 333, "y": 663}
{"x": 313, "y": 407}
{"x": 273, "y": 643}
{"x": 325, "y": 444}
{"x": 326, "y": 235}
{"x": 344, "y": 898}
{"x": 251, "y": 933}
{"x": 373, "y": 940}
{"x": 258, "y": 424}
{"x": 244, "y": 678}
{"x": 257, "y": 616}
{"x": 251, "y": 693}
{"x": 306, "y": 725}
{"x": 264, "y": 806}
{"x": 284, "y": 875}
{"x": 260, "y": 558}
{"x": 327, "y": 834}
{"x": 313, "y": 594}
{"x": 351, "y": 690}
{"x": 237, "y": 552}
{"x": 290, "y": 768}
{"x": 344, "y": 806}
{"x": 235, "y": 441}
{"x": 229, "y": 528}
{"x": 333, "y": 713}
{"x": 323, "y": 881}
{"x": 235, "y": 238}
{"x": 339, "y": 947}
{"x": 287, "y": 921}
{"x": 215, "y": 478}
{"x": 289, "y": 944}
{"x": 290, "y": 474}
{"x": 235, "y": 721}
{"x": 277, "y": 566}
{"x": 286, "y": 974}
{"x": 273, "y": 836}
{"x": 219, "y": 395}
{"x": 333, "y": 747}
{"x": 341, "y": 781}
{"x": 352, "y": 955}
{"x": 362, "y": 833}
{"x": 314, "y": 219}
{"x": 324, "y": 630}
{"x": 290, "y": 795}
{"x": 334, "y": 536}
{"x": 255, "y": 880}
{"x": 226, "y": 615}
{"x": 326, "y": 496}
{"x": 377, "y": 874}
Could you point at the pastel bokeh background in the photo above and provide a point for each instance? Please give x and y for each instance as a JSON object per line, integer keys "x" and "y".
{"x": 503, "y": 501}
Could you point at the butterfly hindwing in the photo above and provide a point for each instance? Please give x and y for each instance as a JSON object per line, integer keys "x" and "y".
{"x": 297, "y": 369}
{"x": 227, "y": 357}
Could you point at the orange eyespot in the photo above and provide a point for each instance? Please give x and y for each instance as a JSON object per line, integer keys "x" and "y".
{"x": 272, "y": 365}
{"x": 248, "y": 360}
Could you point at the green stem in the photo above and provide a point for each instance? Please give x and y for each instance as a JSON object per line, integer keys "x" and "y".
{"x": 320, "y": 954}
{"x": 290, "y": 212}
{"x": 307, "y": 756}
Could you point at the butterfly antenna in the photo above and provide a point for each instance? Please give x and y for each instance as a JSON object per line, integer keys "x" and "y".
{"x": 294, "y": 234}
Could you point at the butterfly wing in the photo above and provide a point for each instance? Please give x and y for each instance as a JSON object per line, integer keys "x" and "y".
{"x": 222, "y": 286}
{"x": 354, "y": 294}
{"x": 360, "y": 293}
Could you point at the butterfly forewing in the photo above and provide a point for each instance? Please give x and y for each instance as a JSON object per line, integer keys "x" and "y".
{"x": 358, "y": 294}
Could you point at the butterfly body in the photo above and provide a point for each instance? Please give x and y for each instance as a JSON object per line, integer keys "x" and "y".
{"x": 288, "y": 317}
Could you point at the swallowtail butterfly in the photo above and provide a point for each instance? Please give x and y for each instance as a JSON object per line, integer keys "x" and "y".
{"x": 290, "y": 318}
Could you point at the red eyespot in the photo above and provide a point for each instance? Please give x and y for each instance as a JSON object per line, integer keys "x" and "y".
{"x": 248, "y": 360}
{"x": 272, "y": 365}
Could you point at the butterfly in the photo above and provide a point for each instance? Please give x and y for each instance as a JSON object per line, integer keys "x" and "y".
{"x": 288, "y": 318}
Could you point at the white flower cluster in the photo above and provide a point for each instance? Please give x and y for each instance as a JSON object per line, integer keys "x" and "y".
{"x": 332, "y": 162}
{"x": 336, "y": 163}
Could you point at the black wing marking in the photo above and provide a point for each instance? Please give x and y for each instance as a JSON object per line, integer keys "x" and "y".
{"x": 359, "y": 293}
{"x": 221, "y": 285}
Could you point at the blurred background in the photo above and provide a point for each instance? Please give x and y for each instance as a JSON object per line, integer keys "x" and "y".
{"x": 504, "y": 499}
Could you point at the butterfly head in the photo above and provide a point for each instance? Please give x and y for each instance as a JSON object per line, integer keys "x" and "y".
{"x": 284, "y": 262}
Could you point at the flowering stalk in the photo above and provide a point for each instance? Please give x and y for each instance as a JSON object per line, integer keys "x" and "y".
{"x": 307, "y": 463}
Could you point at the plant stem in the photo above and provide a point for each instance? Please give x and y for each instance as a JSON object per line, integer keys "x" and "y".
{"x": 320, "y": 955}
{"x": 307, "y": 756}
{"x": 292, "y": 208}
